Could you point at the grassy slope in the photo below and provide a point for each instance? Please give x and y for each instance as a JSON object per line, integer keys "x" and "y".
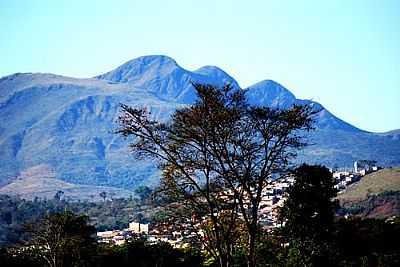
{"x": 374, "y": 183}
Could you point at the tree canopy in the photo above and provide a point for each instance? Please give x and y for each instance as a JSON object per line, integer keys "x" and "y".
{"x": 217, "y": 157}
{"x": 308, "y": 215}
{"x": 63, "y": 239}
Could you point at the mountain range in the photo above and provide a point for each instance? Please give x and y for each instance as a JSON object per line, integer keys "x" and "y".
{"x": 66, "y": 124}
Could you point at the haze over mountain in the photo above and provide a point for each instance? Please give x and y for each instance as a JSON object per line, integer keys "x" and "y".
{"x": 66, "y": 123}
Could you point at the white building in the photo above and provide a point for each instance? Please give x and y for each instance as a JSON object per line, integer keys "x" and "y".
{"x": 139, "y": 228}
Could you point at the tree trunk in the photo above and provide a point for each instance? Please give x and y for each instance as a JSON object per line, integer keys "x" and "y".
{"x": 251, "y": 260}
{"x": 225, "y": 261}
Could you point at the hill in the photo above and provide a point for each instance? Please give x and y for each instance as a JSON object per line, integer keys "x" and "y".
{"x": 377, "y": 195}
{"x": 372, "y": 184}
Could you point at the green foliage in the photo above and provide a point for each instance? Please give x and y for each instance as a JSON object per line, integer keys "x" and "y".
{"x": 75, "y": 248}
{"x": 103, "y": 195}
{"x": 270, "y": 251}
{"x": 367, "y": 242}
{"x": 314, "y": 238}
{"x": 382, "y": 205}
{"x": 16, "y": 258}
{"x": 308, "y": 214}
{"x": 159, "y": 216}
{"x": 159, "y": 254}
{"x": 140, "y": 253}
{"x": 352, "y": 242}
{"x": 63, "y": 239}
{"x": 108, "y": 215}
{"x": 143, "y": 192}
{"x": 309, "y": 209}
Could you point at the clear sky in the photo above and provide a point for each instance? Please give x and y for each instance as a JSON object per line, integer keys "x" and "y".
{"x": 343, "y": 54}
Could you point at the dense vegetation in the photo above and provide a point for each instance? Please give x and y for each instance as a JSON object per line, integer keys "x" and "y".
{"x": 312, "y": 236}
{"x": 383, "y": 205}
{"x": 65, "y": 240}
{"x": 352, "y": 242}
{"x": 116, "y": 214}
{"x": 15, "y": 213}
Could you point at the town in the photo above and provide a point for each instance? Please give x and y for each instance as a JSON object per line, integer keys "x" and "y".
{"x": 181, "y": 233}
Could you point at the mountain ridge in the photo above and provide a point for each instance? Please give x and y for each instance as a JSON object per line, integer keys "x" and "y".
{"x": 67, "y": 122}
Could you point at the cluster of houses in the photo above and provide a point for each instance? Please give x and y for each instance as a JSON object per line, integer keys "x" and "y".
{"x": 344, "y": 178}
{"x": 178, "y": 233}
{"x": 273, "y": 198}
{"x": 119, "y": 237}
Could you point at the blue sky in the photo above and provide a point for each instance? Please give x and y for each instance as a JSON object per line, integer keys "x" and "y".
{"x": 344, "y": 54}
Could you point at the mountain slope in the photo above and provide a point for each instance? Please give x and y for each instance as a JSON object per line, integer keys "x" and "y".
{"x": 40, "y": 181}
{"x": 68, "y": 123}
{"x": 163, "y": 77}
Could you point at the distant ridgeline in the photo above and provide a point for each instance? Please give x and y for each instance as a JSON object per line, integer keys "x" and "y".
{"x": 67, "y": 124}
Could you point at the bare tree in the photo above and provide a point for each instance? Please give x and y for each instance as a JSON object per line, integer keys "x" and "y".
{"x": 217, "y": 157}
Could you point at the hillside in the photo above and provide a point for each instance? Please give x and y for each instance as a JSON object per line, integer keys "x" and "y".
{"x": 372, "y": 184}
{"x": 40, "y": 181}
{"x": 377, "y": 195}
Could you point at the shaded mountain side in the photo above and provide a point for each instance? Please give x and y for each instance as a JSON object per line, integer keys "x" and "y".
{"x": 68, "y": 123}
{"x": 394, "y": 134}
{"x": 330, "y": 147}
{"x": 272, "y": 94}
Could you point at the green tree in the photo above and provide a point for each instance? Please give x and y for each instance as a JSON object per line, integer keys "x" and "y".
{"x": 63, "y": 239}
{"x": 308, "y": 216}
{"x": 140, "y": 253}
{"x": 143, "y": 192}
{"x": 367, "y": 242}
{"x": 217, "y": 157}
{"x": 58, "y": 195}
{"x": 14, "y": 257}
{"x": 103, "y": 195}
